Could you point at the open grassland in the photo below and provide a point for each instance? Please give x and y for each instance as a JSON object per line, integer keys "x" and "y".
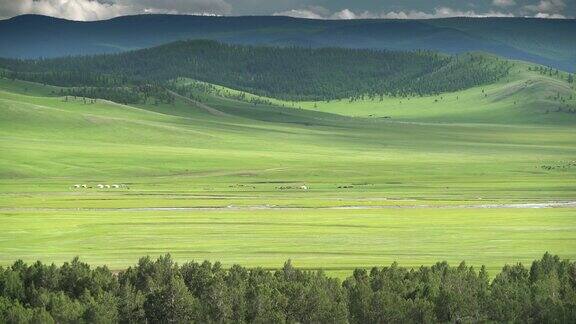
{"x": 522, "y": 97}
{"x": 413, "y": 188}
{"x": 335, "y": 240}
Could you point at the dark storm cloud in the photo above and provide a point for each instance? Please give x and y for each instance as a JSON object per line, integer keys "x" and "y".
{"x": 318, "y": 9}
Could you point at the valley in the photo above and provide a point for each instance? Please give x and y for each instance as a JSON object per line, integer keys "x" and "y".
{"x": 218, "y": 174}
{"x": 353, "y": 162}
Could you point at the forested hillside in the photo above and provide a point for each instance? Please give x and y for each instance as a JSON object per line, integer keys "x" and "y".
{"x": 543, "y": 41}
{"x": 293, "y": 73}
{"x": 162, "y": 291}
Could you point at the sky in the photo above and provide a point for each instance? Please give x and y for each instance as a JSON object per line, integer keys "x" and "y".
{"x": 314, "y": 9}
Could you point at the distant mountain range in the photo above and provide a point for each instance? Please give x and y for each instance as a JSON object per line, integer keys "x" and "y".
{"x": 549, "y": 42}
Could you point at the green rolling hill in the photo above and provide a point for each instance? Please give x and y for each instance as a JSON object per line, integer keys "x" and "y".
{"x": 220, "y": 170}
{"x": 294, "y": 73}
{"x": 225, "y": 146}
{"x": 524, "y": 96}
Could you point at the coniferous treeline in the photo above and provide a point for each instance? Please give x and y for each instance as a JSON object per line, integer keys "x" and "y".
{"x": 192, "y": 89}
{"x": 546, "y": 70}
{"x": 292, "y": 73}
{"x": 123, "y": 95}
{"x": 146, "y": 93}
{"x": 162, "y": 291}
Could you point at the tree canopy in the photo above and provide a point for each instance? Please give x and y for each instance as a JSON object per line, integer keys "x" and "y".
{"x": 293, "y": 73}
{"x": 162, "y": 291}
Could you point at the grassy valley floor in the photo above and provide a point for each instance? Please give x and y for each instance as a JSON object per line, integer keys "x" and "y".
{"x": 490, "y": 181}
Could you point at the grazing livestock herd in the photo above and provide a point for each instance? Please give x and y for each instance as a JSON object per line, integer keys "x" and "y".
{"x": 100, "y": 186}
{"x": 303, "y": 187}
{"x": 123, "y": 186}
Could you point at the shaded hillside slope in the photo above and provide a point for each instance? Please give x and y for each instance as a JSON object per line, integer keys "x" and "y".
{"x": 544, "y": 41}
{"x": 290, "y": 73}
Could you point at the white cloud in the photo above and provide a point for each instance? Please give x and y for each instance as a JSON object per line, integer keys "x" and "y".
{"x": 344, "y": 14}
{"x": 503, "y": 3}
{"x": 442, "y": 12}
{"x": 549, "y": 16}
{"x": 446, "y": 12}
{"x": 104, "y": 9}
{"x": 73, "y": 9}
{"x": 220, "y": 7}
{"x": 309, "y": 12}
{"x": 407, "y": 15}
{"x": 299, "y": 13}
{"x": 547, "y": 7}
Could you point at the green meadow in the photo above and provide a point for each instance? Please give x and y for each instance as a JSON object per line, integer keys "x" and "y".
{"x": 334, "y": 240}
{"x": 484, "y": 175}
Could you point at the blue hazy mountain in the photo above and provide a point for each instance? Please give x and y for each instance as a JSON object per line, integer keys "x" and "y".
{"x": 546, "y": 41}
